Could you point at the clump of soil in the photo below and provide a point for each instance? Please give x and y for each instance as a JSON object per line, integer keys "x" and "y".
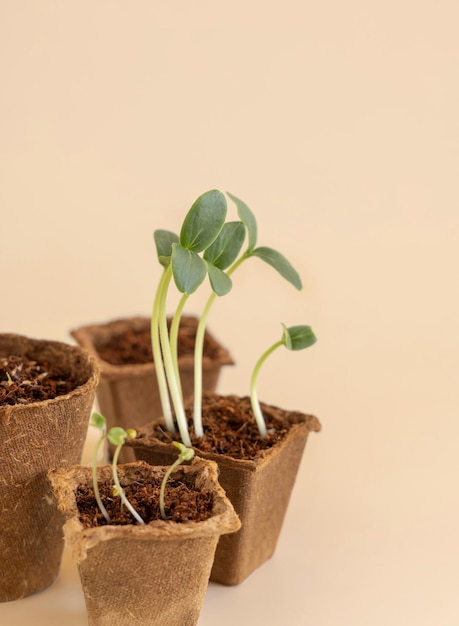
{"x": 183, "y": 503}
{"x": 230, "y": 428}
{"x": 133, "y": 346}
{"x": 23, "y": 380}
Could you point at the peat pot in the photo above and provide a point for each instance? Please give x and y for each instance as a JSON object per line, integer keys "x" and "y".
{"x": 259, "y": 488}
{"x": 36, "y": 437}
{"x": 142, "y": 575}
{"x": 128, "y": 394}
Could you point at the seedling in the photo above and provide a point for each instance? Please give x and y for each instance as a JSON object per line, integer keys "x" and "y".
{"x": 204, "y": 232}
{"x": 293, "y": 338}
{"x": 99, "y": 422}
{"x": 116, "y": 436}
{"x": 185, "y": 454}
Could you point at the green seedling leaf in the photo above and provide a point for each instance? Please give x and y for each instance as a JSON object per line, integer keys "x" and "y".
{"x": 203, "y": 221}
{"x": 98, "y": 421}
{"x": 298, "y": 337}
{"x": 188, "y": 268}
{"x": 185, "y": 454}
{"x": 220, "y": 282}
{"x": 163, "y": 241}
{"x": 117, "y": 436}
{"x": 248, "y": 218}
{"x": 227, "y": 246}
{"x": 280, "y": 264}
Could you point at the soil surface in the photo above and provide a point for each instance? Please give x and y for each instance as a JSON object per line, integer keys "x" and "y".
{"x": 23, "y": 381}
{"x": 182, "y": 503}
{"x": 230, "y": 428}
{"x": 133, "y": 346}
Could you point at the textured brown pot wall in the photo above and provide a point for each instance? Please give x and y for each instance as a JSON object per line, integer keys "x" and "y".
{"x": 128, "y": 395}
{"x": 35, "y": 438}
{"x": 259, "y": 491}
{"x": 144, "y": 575}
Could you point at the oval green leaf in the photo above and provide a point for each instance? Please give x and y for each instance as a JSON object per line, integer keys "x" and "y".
{"x": 220, "y": 282}
{"x": 248, "y": 218}
{"x": 203, "y": 221}
{"x": 227, "y": 246}
{"x": 98, "y": 421}
{"x": 188, "y": 269}
{"x": 117, "y": 435}
{"x": 280, "y": 264}
{"x": 299, "y": 337}
{"x": 163, "y": 241}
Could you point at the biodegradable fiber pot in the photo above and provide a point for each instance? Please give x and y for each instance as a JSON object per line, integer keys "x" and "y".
{"x": 35, "y": 438}
{"x": 143, "y": 575}
{"x": 128, "y": 394}
{"x": 258, "y": 488}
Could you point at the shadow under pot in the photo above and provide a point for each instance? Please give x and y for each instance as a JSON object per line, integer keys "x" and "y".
{"x": 47, "y": 390}
{"x": 257, "y": 475}
{"x": 156, "y": 573}
{"x": 128, "y": 393}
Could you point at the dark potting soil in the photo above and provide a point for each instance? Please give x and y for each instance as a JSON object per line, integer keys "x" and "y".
{"x": 23, "y": 381}
{"x": 133, "y": 346}
{"x": 182, "y": 503}
{"x": 230, "y": 428}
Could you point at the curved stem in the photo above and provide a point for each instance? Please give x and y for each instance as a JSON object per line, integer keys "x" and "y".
{"x": 169, "y": 365}
{"x": 94, "y": 479}
{"x": 253, "y": 391}
{"x": 119, "y": 488}
{"x": 162, "y": 490}
{"x": 157, "y": 356}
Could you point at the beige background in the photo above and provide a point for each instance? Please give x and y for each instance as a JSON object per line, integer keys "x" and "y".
{"x": 337, "y": 122}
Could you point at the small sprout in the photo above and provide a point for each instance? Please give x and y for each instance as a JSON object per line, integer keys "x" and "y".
{"x": 117, "y": 436}
{"x": 98, "y": 421}
{"x": 8, "y": 377}
{"x": 186, "y": 454}
{"x": 293, "y": 338}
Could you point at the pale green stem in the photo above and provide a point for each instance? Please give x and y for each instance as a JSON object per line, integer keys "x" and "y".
{"x": 162, "y": 490}
{"x": 94, "y": 479}
{"x": 253, "y": 391}
{"x": 173, "y": 338}
{"x": 199, "y": 351}
{"x": 157, "y": 357}
{"x": 169, "y": 366}
{"x": 120, "y": 490}
{"x": 198, "y": 354}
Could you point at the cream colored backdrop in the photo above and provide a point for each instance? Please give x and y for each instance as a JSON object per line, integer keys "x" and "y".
{"x": 337, "y": 122}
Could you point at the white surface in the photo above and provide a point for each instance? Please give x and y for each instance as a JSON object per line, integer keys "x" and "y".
{"x": 337, "y": 123}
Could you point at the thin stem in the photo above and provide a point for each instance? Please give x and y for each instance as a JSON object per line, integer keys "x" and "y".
{"x": 169, "y": 366}
{"x": 162, "y": 490}
{"x": 94, "y": 479}
{"x": 157, "y": 356}
{"x": 173, "y": 338}
{"x": 120, "y": 490}
{"x": 253, "y": 391}
{"x": 199, "y": 351}
{"x": 198, "y": 354}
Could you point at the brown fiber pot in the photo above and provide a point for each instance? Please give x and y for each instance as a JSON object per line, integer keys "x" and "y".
{"x": 144, "y": 575}
{"x": 259, "y": 490}
{"x": 128, "y": 395}
{"x": 35, "y": 438}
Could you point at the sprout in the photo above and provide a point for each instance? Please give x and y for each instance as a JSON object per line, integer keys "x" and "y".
{"x": 117, "y": 436}
{"x": 293, "y": 338}
{"x": 185, "y": 454}
{"x": 99, "y": 422}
